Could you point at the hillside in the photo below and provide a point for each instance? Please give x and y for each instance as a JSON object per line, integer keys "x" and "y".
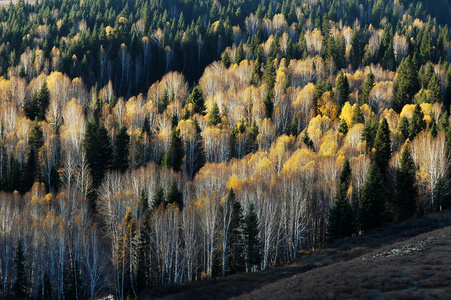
{"x": 164, "y": 144}
{"x": 400, "y": 261}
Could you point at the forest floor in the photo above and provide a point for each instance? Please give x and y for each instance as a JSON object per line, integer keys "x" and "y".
{"x": 400, "y": 261}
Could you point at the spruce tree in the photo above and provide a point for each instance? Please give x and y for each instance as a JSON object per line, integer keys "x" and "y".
{"x": 367, "y": 87}
{"x": 372, "y": 205}
{"x": 343, "y": 127}
{"x": 269, "y": 76}
{"x": 197, "y": 99}
{"x": 175, "y": 196}
{"x": 104, "y": 154}
{"x": 43, "y": 101}
{"x": 226, "y": 60}
{"x": 434, "y": 94}
{"x": 158, "y": 198}
{"x": 406, "y": 85}
{"x": 35, "y": 142}
{"x": 21, "y": 282}
{"x": 342, "y": 89}
{"x": 176, "y": 150}
{"x": 121, "y": 161}
{"x": 235, "y": 246}
{"x": 417, "y": 123}
{"x": 143, "y": 260}
{"x": 405, "y": 187}
{"x": 357, "y": 115}
{"x": 307, "y": 141}
{"x": 369, "y": 133}
{"x": 356, "y": 56}
{"x": 252, "y": 135}
{"x": 294, "y": 126}
{"x": 382, "y": 145}
{"x": 214, "y": 116}
{"x": 252, "y": 240}
{"x": 239, "y": 56}
{"x": 404, "y": 127}
{"x": 341, "y": 216}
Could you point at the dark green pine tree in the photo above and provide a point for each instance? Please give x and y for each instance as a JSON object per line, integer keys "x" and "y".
{"x": 343, "y": 127}
{"x": 104, "y": 153}
{"x": 252, "y": 135}
{"x": 269, "y": 75}
{"x": 406, "y": 85}
{"x": 252, "y": 240}
{"x": 214, "y": 116}
{"x": 434, "y": 94}
{"x": 226, "y": 61}
{"x": 239, "y": 56}
{"x": 175, "y": 196}
{"x": 356, "y": 56}
{"x": 268, "y": 105}
{"x": 294, "y": 126}
{"x": 122, "y": 149}
{"x": 43, "y": 100}
{"x": 143, "y": 260}
{"x": 369, "y": 133}
{"x": 341, "y": 216}
{"x": 342, "y": 89}
{"x": 176, "y": 150}
{"x": 372, "y": 205}
{"x": 425, "y": 48}
{"x": 417, "y": 123}
{"x": 35, "y": 142}
{"x": 235, "y": 247}
{"x": 404, "y": 127}
{"x": 32, "y": 107}
{"x": 382, "y": 146}
{"x": 164, "y": 101}
{"x": 98, "y": 150}
{"x": 158, "y": 198}
{"x": 197, "y": 99}
{"x": 21, "y": 283}
{"x": 357, "y": 115}
{"x": 367, "y": 87}
{"x": 405, "y": 188}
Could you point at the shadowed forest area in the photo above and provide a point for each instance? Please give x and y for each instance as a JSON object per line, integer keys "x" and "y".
{"x": 151, "y": 145}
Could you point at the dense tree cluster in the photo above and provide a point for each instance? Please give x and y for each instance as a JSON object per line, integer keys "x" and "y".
{"x": 159, "y": 142}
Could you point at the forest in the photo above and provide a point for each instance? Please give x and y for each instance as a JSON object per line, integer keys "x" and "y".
{"x": 148, "y": 143}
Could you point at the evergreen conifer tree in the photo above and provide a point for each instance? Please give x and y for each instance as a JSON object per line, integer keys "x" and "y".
{"x": 405, "y": 188}
{"x": 252, "y": 240}
{"x": 252, "y": 134}
{"x": 357, "y": 115}
{"x": 382, "y": 145}
{"x": 367, "y": 87}
{"x": 21, "y": 282}
{"x": 417, "y": 123}
{"x": 268, "y": 105}
{"x": 197, "y": 99}
{"x": 342, "y": 89}
{"x": 372, "y": 205}
{"x": 122, "y": 149}
{"x": 158, "y": 198}
{"x": 343, "y": 127}
{"x": 43, "y": 101}
{"x": 406, "y": 85}
{"x": 404, "y": 127}
{"x": 176, "y": 150}
{"x": 175, "y": 196}
{"x": 235, "y": 246}
{"x": 215, "y": 115}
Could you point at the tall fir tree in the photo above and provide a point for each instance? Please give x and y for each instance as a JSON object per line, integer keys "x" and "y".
{"x": 197, "y": 99}
{"x": 341, "y": 216}
{"x": 357, "y": 115}
{"x": 406, "y": 85}
{"x": 367, "y": 87}
{"x": 404, "y": 127}
{"x": 372, "y": 205}
{"x": 252, "y": 240}
{"x": 214, "y": 116}
{"x": 43, "y": 101}
{"x": 175, "y": 196}
{"x": 121, "y": 161}
{"x": 382, "y": 145}
{"x": 21, "y": 281}
{"x": 342, "y": 89}
{"x": 405, "y": 186}
{"x": 417, "y": 123}
{"x": 252, "y": 135}
{"x": 176, "y": 150}
{"x": 235, "y": 246}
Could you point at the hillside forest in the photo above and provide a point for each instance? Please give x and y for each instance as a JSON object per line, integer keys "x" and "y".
{"x": 147, "y": 143}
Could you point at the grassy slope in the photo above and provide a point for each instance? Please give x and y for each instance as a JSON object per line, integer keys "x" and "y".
{"x": 362, "y": 267}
